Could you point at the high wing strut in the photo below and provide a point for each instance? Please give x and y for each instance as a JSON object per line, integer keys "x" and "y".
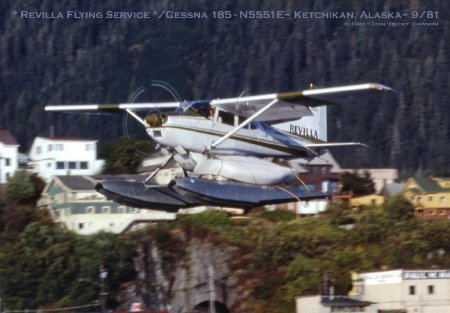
{"x": 244, "y": 123}
{"x": 137, "y": 118}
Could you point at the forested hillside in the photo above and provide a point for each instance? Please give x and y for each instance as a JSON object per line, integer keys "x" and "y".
{"x": 99, "y": 60}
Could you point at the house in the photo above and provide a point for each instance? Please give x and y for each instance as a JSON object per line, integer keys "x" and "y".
{"x": 9, "y": 155}
{"x": 430, "y": 196}
{"x": 425, "y": 291}
{"x": 380, "y": 176}
{"x": 328, "y": 304}
{"x": 369, "y": 200}
{"x": 394, "y": 291}
{"x": 51, "y": 156}
{"x": 322, "y": 173}
{"x": 75, "y": 205}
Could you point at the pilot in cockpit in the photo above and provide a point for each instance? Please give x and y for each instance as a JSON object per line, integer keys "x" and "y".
{"x": 211, "y": 113}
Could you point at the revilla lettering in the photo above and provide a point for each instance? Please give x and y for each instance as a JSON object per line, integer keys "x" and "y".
{"x": 40, "y": 15}
{"x": 303, "y": 131}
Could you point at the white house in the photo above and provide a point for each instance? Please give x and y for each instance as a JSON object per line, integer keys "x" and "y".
{"x": 394, "y": 291}
{"x": 64, "y": 156}
{"x": 423, "y": 291}
{"x": 9, "y": 151}
{"x": 75, "y": 205}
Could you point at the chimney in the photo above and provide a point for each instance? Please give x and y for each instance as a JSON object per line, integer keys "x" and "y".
{"x": 52, "y": 131}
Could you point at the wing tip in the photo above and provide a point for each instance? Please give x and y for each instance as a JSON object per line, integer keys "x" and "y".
{"x": 381, "y": 87}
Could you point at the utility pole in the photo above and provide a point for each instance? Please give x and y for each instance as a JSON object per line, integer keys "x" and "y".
{"x": 103, "y": 275}
{"x": 212, "y": 290}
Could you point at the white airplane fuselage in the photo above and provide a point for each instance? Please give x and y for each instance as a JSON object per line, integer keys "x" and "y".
{"x": 197, "y": 134}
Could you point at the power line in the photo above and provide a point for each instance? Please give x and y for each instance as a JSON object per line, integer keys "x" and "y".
{"x": 53, "y": 310}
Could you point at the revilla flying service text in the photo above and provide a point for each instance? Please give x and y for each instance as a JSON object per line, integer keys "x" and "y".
{"x": 84, "y": 15}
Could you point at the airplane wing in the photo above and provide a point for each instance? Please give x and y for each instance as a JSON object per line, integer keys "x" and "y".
{"x": 130, "y": 108}
{"x": 293, "y": 105}
{"x": 106, "y": 108}
{"x": 335, "y": 144}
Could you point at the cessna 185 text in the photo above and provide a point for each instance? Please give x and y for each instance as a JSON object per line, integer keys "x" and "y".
{"x": 233, "y": 151}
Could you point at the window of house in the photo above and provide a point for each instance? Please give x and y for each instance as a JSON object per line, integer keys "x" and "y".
{"x": 431, "y": 212}
{"x": 72, "y": 165}
{"x": 121, "y": 209}
{"x": 59, "y": 165}
{"x": 442, "y": 211}
{"x": 106, "y": 209}
{"x": 58, "y": 147}
{"x": 412, "y": 290}
{"x": 84, "y": 165}
{"x": 80, "y": 225}
{"x": 430, "y": 198}
{"x": 38, "y": 150}
{"x": 419, "y": 199}
{"x": 89, "y": 147}
{"x": 134, "y": 210}
{"x": 7, "y": 176}
{"x": 7, "y": 161}
{"x": 442, "y": 199}
{"x": 431, "y": 290}
{"x": 49, "y": 164}
{"x": 49, "y": 148}
{"x": 90, "y": 210}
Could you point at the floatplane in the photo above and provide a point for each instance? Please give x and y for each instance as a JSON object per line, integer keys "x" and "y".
{"x": 229, "y": 149}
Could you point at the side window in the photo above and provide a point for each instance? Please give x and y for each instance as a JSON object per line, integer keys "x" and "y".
{"x": 226, "y": 118}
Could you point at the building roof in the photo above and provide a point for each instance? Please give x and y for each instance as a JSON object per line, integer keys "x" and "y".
{"x": 393, "y": 189}
{"x": 7, "y": 138}
{"x": 429, "y": 184}
{"x": 342, "y": 301}
{"x": 76, "y": 182}
{"x": 129, "y": 177}
{"x": 87, "y": 182}
{"x": 65, "y": 138}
